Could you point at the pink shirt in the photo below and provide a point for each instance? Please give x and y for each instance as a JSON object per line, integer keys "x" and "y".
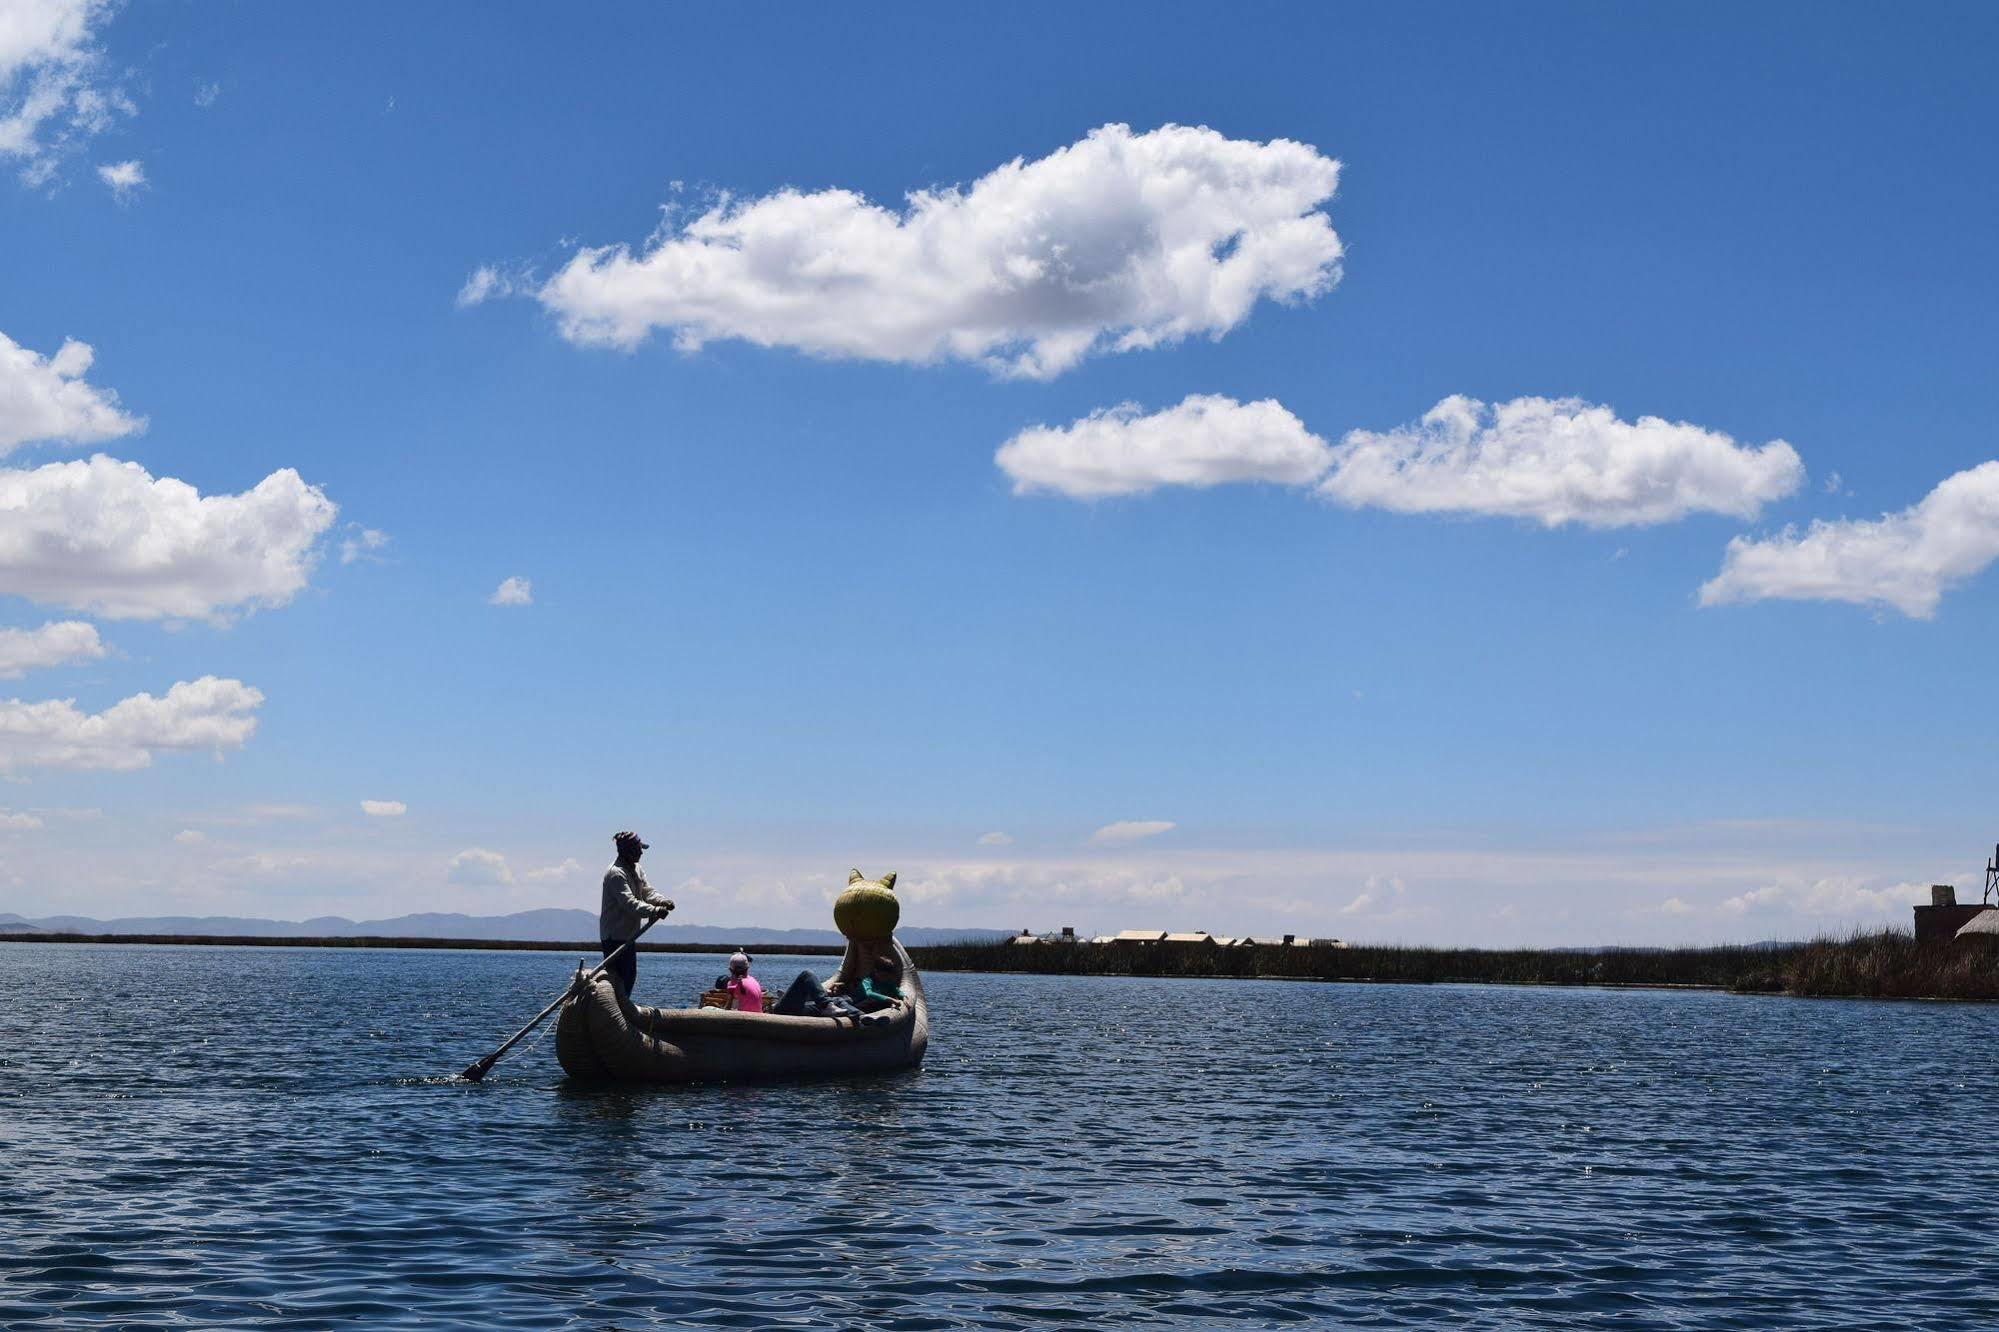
{"x": 745, "y": 994}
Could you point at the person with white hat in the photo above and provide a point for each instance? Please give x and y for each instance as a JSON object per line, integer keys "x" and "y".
{"x": 629, "y": 902}
{"x": 746, "y": 992}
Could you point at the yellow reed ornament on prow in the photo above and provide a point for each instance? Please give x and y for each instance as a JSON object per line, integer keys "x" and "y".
{"x": 868, "y": 908}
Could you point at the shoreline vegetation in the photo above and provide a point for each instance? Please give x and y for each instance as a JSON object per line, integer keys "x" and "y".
{"x": 1888, "y": 964}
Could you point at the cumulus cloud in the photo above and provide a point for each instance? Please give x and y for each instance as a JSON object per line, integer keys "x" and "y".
{"x": 1843, "y": 897}
{"x": 1902, "y": 560}
{"x": 384, "y": 809}
{"x": 1556, "y": 461}
{"x": 1130, "y": 830}
{"x": 476, "y": 865}
{"x": 553, "y": 873}
{"x": 512, "y": 592}
{"x": 46, "y": 398}
{"x": 1207, "y": 440}
{"x": 995, "y": 839}
{"x": 54, "y": 94}
{"x": 55, "y": 644}
{"x": 1118, "y": 242}
{"x": 12, "y": 821}
{"x": 1553, "y": 461}
{"x": 208, "y": 713}
{"x": 124, "y": 178}
{"x": 190, "y": 837}
{"x": 108, "y": 538}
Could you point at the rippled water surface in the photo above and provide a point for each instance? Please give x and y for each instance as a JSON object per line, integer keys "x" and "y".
{"x": 197, "y": 1137}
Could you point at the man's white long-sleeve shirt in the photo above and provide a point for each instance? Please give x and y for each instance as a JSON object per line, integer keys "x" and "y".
{"x": 628, "y": 903}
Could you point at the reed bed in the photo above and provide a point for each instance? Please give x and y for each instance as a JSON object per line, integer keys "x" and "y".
{"x": 1892, "y": 965}
{"x": 1889, "y": 964}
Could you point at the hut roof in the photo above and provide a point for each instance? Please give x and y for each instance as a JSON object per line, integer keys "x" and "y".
{"x": 1985, "y": 922}
{"x": 1138, "y": 936}
{"x": 1198, "y": 936}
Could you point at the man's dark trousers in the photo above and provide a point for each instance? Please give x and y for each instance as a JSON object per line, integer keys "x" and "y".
{"x": 625, "y": 971}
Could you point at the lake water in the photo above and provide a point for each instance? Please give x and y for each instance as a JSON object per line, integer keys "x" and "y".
{"x": 197, "y": 1137}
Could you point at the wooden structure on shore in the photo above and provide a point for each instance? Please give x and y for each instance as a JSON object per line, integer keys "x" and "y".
{"x": 1944, "y": 918}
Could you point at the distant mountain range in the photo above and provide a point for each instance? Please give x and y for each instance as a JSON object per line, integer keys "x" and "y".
{"x": 547, "y": 925}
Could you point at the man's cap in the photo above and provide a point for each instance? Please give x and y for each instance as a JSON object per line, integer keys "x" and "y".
{"x": 624, "y": 837}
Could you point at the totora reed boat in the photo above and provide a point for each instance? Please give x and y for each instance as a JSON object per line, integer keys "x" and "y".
{"x": 601, "y": 1036}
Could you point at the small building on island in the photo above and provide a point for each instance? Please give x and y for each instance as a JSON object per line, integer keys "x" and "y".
{"x": 1066, "y": 935}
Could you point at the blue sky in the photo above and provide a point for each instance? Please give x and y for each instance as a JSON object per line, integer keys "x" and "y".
{"x": 789, "y": 613}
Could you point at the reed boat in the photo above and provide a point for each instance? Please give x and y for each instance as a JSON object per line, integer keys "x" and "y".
{"x": 601, "y": 1036}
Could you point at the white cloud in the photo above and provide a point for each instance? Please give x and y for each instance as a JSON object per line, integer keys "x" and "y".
{"x": 1031, "y": 887}
{"x": 206, "y": 93}
{"x": 108, "y": 538}
{"x": 1553, "y": 461}
{"x": 208, "y": 713}
{"x": 1904, "y": 560}
{"x": 476, "y": 865}
{"x": 190, "y": 837}
{"x": 1381, "y": 898}
{"x": 12, "y": 821}
{"x": 1205, "y": 441}
{"x": 1118, "y": 242}
{"x": 254, "y": 815}
{"x": 1839, "y": 896}
{"x": 46, "y": 398}
{"x": 486, "y": 283}
{"x": 384, "y": 809}
{"x": 53, "y": 93}
{"x": 54, "y": 644}
{"x": 995, "y": 839}
{"x": 1130, "y": 830}
{"x": 512, "y": 592}
{"x": 124, "y": 178}
{"x": 261, "y": 864}
{"x": 553, "y": 873}
{"x": 1556, "y": 461}
{"x": 362, "y": 543}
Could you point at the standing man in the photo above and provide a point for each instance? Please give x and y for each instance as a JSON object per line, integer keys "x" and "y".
{"x": 629, "y": 902}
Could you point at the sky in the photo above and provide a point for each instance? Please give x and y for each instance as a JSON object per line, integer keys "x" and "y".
{"x": 1442, "y": 474}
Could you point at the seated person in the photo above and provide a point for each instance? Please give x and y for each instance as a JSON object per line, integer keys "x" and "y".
{"x": 809, "y": 997}
{"x": 746, "y": 993}
{"x": 881, "y": 987}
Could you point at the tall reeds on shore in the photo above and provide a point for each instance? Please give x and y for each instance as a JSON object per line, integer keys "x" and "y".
{"x": 1890, "y": 964}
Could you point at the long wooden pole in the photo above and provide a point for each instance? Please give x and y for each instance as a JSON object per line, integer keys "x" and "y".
{"x": 477, "y": 1072}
